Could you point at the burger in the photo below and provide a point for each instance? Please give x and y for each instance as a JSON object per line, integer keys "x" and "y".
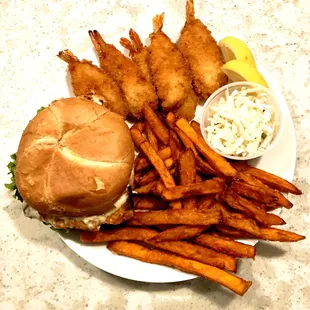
{"x": 74, "y": 164}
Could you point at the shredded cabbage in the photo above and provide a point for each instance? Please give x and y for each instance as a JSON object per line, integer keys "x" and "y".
{"x": 242, "y": 123}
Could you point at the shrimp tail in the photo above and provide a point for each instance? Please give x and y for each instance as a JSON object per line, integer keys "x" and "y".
{"x": 67, "y": 56}
{"x": 190, "y": 11}
{"x": 128, "y": 45}
{"x": 135, "y": 39}
{"x": 158, "y": 22}
{"x": 97, "y": 41}
{"x": 93, "y": 39}
{"x": 134, "y": 45}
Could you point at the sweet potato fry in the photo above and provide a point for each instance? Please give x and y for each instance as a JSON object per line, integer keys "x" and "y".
{"x": 259, "y": 205}
{"x": 265, "y": 207}
{"x": 268, "y": 234}
{"x": 140, "y": 126}
{"x": 158, "y": 188}
{"x": 187, "y": 168}
{"x": 248, "y": 208}
{"x": 137, "y": 178}
{"x": 143, "y": 163}
{"x": 233, "y": 233}
{"x": 249, "y": 179}
{"x": 149, "y": 202}
{"x": 274, "y": 234}
{"x": 203, "y": 167}
{"x": 222, "y": 245}
{"x": 206, "y": 202}
{"x": 218, "y": 162}
{"x": 176, "y": 205}
{"x": 172, "y": 171}
{"x": 165, "y": 153}
{"x": 247, "y": 225}
{"x": 198, "y": 253}
{"x": 164, "y": 227}
{"x": 198, "y": 178}
{"x": 268, "y": 178}
{"x": 253, "y": 192}
{"x": 169, "y": 162}
{"x": 180, "y": 233}
{"x": 121, "y": 233}
{"x": 159, "y": 129}
{"x": 175, "y": 145}
{"x": 196, "y": 127}
{"x": 137, "y": 137}
{"x": 153, "y": 174}
{"x": 235, "y": 220}
{"x": 137, "y": 159}
{"x": 160, "y": 257}
{"x": 181, "y": 217}
{"x": 158, "y": 163}
{"x": 187, "y": 175}
{"x": 170, "y": 121}
{"x": 190, "y": 203}
{"x": 146, "y": 189}
{"x": 269, "y": 207}
{"x": 150, "y": 136}
{"x": 205, "y": 187}
{"x": 148, "y": 177}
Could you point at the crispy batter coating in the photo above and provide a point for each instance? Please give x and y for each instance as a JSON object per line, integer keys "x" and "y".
{"x": 169, "y": 69}
{"x": 139, "y": 54}
{"x": 188, "y": 108}
{"x": 88, "y": 79}
{"x": 202, "y": 53}
{"x": 137, "y": 90}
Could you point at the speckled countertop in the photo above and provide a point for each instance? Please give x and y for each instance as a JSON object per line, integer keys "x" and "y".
{"x": 38, "y": 271}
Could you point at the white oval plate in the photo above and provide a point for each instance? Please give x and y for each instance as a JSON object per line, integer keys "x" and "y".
{"x": 280, "y": 160}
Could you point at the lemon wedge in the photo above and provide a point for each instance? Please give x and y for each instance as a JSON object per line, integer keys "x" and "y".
{"x": 240, "y": 70}
{"x": 233, "y": 48}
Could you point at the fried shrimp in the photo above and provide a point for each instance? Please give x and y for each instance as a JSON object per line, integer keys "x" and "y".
{"x": 202, "y": 53}
{"x": 88, "y": 79}
{"x": 169, "y": 69}
{"x": 188, "y": 108}
{"x": 136, "y": 89}
{"x": 139, "y": 54}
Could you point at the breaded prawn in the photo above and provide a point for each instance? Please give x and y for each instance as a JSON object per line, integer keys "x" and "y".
{"x": 88, "y": 79}
{"x": 170, "y": 72}
{"x": 188, "y": 108}
{"x": 139, "y": 54}
{"x": 202, "y": 53}
{"x": 136, "y": 89}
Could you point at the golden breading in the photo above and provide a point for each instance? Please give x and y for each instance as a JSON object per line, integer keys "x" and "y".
{"x": 170, "y": 72}
{"x": 202, "y": 53}
{"x": 88, "y": 79}
{"x": 136, "y": 89}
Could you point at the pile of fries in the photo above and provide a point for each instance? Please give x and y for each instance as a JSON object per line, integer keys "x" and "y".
{"x": 192, "y": 205}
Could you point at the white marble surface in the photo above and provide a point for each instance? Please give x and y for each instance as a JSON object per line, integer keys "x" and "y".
{"x": 37, "y": 270}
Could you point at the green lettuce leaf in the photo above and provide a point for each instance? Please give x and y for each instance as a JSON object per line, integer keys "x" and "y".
{"x": 12, "y": 186}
